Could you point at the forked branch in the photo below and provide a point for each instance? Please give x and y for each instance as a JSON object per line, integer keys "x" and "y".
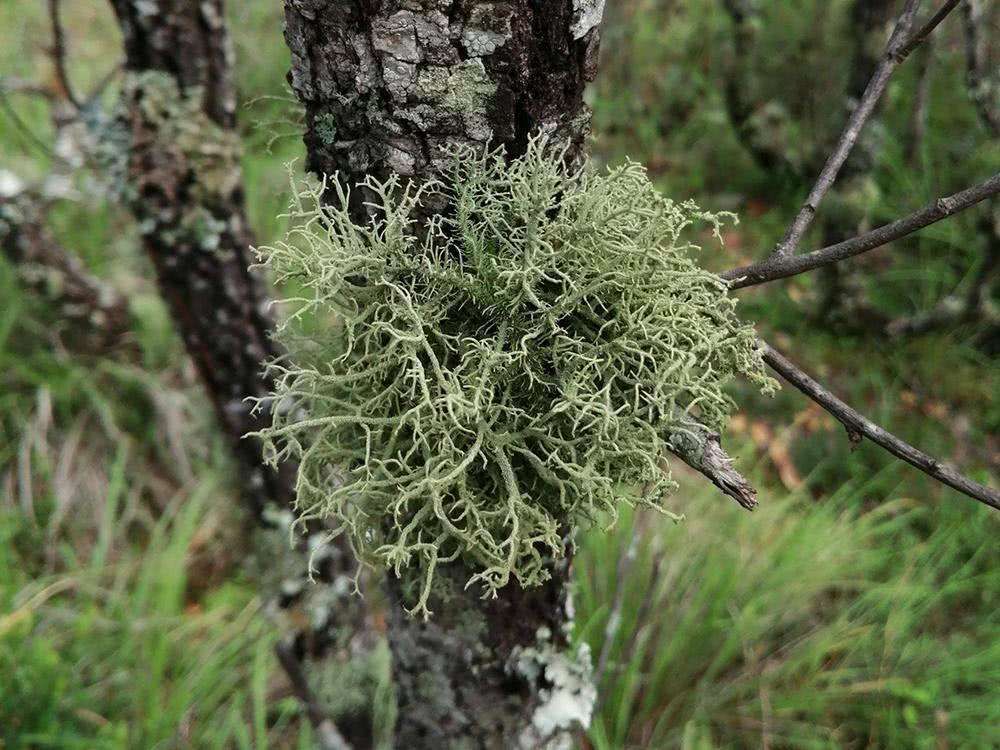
{"x": 859, "y": 426}
{"x": 921, "y": 35}
{"x": 59, "y": 52}
{"x": 855, "y": 124}
{"x": 783, "y": 266}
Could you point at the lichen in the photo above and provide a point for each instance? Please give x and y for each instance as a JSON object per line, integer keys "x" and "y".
{"x": 464, "y": 88}
{"x": 487, "y": 29}
{"x": 182, "y": 129}
{"x": 347, "y": 688}
{"x": 510, "y": 371}
{"x": 326, "y": 128}
{"x": 566, "y": 694}
{"x": 194, "y": 156}
{"x": 587, "y": 15}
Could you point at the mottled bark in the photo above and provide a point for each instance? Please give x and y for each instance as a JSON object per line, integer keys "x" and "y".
{"x": 185, "y": 187}
{"x": 180, "y": 163}
{"x": 388, "y": 87}
{"x": 93, "y": 317}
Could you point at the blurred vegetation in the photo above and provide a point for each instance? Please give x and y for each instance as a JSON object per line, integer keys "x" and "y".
{"x": 859, "y": 607}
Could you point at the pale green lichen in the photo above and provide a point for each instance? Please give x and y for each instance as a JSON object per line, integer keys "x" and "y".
{"x": 513, "y": 370}
{"x": 464, "y": 88}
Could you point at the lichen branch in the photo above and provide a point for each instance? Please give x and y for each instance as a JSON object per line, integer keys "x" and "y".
{"x": 514, "y": 369}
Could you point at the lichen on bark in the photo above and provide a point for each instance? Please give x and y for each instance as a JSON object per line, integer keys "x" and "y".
{"x": 359, "y": 63}
{"x": 511, "y": 371}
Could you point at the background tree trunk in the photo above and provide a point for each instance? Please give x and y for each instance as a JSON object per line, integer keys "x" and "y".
{"x": 387, "y": 88}
{"x": 183, "y": 182}
{"x": 185, "y": 187}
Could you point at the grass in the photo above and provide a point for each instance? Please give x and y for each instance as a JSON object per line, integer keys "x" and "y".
{"x": 856, "y": 608}
{"x": 112, "y": 651}
{"x": 800, "y": 626}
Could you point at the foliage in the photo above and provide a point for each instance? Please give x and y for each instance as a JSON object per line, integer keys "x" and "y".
{"x": 115, "y": 655}
{"x": 506, "y": 375}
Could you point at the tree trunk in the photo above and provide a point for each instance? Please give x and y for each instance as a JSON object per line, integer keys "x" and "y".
{"x": 387, "y": 87}
{"x": 185, "y": 188}
{"x": 91, "y": 316}
{"x": 180, "y": 160}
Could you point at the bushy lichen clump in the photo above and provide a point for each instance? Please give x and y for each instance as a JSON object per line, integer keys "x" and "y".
{"x": 502, "y": 374}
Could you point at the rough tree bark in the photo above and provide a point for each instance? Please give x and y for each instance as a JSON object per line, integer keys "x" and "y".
{"x": 179, "y": 157}
{"x": 387, "y": 87}
{"x": 185, "y": 187}
{"x": 92, "y": 317}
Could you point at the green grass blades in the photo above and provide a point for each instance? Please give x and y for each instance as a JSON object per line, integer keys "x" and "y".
{"x": 114, "y": 653}
{"x": 800, "y": 626}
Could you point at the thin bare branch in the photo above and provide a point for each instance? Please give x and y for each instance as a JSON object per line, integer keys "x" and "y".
{"x": 58, "y": 53}
{"x": 855, "y": 124}
{"x": 14, "y": 85}
{"x": 780, "y": 267}
{"x": 859, "y": 426}
{"x": 29, "y": 135}
{"x": 925, "y": 31}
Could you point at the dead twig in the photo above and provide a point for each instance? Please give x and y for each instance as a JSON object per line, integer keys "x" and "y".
{"x": 58, "y": 53}
{"x": 859, "y": 426}
{"x": 869, "y": 99}
{"x": 780, "y": 267}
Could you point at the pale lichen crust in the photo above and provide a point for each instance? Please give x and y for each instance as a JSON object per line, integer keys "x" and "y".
{"x": 478, "y": 387}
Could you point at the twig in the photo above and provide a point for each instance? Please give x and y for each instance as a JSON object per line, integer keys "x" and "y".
{"x": 925, "y": 31}
{"x": 780, "y": 267}
{"x": 28, "y": 134}
{"x": 29, "y": 88}
{"x": 327, "y": 734}
{"x": 59, "y": 53}
{"x": 856, "y": 122}
{"x": 859, "y": 426}
{"x": 701, "y": 449}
